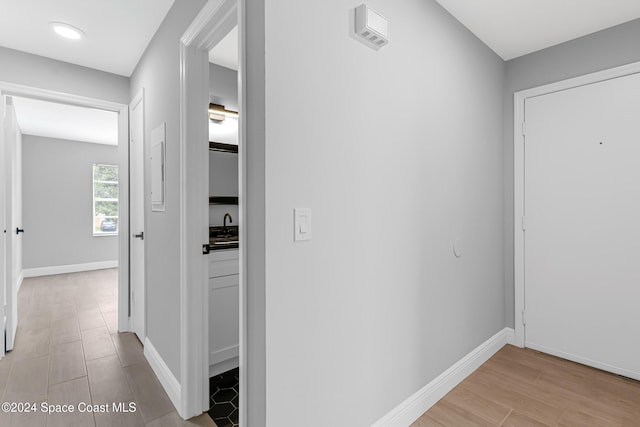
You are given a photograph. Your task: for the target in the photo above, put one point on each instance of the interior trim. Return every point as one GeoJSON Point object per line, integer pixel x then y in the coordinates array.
{"type": "Point", "coordinates": [417, 404]}
{"type": "Point", "coordinates": [169, 382]}
{"type": "Point", "coordinates": [70, 268]}
{"type": "Point", "coordinates": [209, 27]}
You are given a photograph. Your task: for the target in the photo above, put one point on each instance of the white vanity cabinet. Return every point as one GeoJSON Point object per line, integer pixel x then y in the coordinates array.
{"type": "Point", "coordinates": [224, 311]}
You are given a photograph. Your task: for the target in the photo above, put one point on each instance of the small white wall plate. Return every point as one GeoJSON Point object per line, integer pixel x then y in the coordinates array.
{"type": "Point", "coordinates": [371, 27]}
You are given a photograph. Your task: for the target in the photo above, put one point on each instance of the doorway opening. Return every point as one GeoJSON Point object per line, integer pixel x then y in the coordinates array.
{"type": "Point", "coordinates": [214, 22]}
{"type": "Point", "coordinates": [224, 229]}
{"type": "Point", "coordinates": [66, 194]}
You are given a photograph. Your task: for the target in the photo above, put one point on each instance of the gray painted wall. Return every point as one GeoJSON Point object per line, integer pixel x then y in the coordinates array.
{"type": "Point", "coordinates": [36, 71]}
{"type": "Point", "coordinates": [398, 153]}
{"type": "Point", "coordinates": [159, 73]}
{"type": "Point", "coordinates": [596, 52]}
{"type": "Point", "coordinates": [57, 202]}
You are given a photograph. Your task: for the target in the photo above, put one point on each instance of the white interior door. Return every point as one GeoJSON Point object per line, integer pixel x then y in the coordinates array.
{"type": "Point", "coordinates": [12, 162]}
{"type": "Point", "coordinates": [137, 266]}
{"type": "Point", "coordinates": [582, 238]}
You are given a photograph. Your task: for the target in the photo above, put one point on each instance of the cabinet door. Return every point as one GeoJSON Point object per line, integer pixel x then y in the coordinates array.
{"type": "Point", "coordinates": [224, 319]}
{"type": "Point", "coordinates": [225, 267]}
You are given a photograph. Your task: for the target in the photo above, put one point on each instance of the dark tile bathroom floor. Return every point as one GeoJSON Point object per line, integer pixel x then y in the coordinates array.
{"type": "Point", "coordinates": [224, 390]}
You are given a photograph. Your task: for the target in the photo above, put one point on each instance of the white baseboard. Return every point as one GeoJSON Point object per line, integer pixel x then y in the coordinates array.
{"type": "Point", "coordinates": [71, 268]}
{"type": "Point", "coordinates": [510, 334]}
{"type": "Point", "coordinates": [20, 279]}
{"type": "Point", "coordinates": [169, 382]}
{"type": "Point", "coordinates": [417, 404]}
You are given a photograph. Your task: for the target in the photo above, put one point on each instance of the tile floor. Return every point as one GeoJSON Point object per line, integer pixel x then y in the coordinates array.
{"type": "Point", "coordinates": [224, 390]}
{"type": "Point", "coordinates": [68, 351]}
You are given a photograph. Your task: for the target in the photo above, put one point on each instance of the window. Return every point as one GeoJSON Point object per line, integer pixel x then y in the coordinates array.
{"type": "Point", "coordinates": [105, 200]}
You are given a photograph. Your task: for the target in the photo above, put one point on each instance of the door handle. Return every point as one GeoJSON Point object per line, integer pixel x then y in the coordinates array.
{"type": "Point", "coordinates": [19, 230]}
{"type": "Point", "coordinates": [139, 235]}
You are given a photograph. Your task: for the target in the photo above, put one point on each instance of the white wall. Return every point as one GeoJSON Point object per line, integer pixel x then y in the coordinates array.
{"type": "Point", "coordinates": [159, 73]}
{"type": "Point", "coordinates": [595, 52]}
{"type": "Point", "coordinates": [57, 202]}
{"type": "Point", "coordinates": [398, 153]}
{"type": "Point", "coordinates": [36, 71]}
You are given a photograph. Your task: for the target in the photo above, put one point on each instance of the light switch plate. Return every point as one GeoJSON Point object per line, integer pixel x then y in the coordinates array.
{"type": "Point", "coordinates": [301, 224]}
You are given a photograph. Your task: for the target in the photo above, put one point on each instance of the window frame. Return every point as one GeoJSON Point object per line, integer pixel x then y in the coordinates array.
{"type": "Point", "coordinates": [104, 199]}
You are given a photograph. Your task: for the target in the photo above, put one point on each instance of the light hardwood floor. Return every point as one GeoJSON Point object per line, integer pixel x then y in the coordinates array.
{"type": "Point", "coordinates": [522, 387]}
{"type": "Point", "coordinates": [68, 351]}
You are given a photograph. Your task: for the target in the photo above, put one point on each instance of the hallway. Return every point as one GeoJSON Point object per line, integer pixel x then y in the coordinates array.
{"type": "Point", "coordinates": [68, 351]}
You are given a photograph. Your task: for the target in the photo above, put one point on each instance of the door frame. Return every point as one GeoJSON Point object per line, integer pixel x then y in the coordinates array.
{"type": "Point", "coordinates": [519, 136]}
{"type": "Point", "coordinates": [3, 184]}
{"type": "Point", "coordinates": [210, 26]}
{"type": "Point", "coordinates": [138, 101]}
{"type": "Point", "coordinates": [18, 90]}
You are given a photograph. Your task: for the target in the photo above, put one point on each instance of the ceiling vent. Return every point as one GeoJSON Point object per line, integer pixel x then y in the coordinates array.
{"type": "Point", "coordinates": [372, 27]}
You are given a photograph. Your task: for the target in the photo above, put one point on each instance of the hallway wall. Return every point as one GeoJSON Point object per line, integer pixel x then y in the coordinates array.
{"type": "Point", "coordinates": [398, 153]}
{"type": "Point", "coordinates": [158, 72]}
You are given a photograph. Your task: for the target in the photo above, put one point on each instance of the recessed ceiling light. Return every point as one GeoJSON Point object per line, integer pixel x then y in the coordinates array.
{"type": "Point", "coordinates": [67, 31]}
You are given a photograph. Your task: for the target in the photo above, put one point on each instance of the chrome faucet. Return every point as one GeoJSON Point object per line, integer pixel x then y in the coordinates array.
{"type": "Point", "coordinates": [224, 221]}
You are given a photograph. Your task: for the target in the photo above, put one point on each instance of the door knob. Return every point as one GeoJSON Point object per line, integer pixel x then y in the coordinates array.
{"type": "Point", "coordinates": [19, 230]}
{"type": "Point", "coordinates": [139, 235]}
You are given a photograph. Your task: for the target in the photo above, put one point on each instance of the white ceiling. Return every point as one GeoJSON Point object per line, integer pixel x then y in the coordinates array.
{"type": "Point", "coordinates": [514, 28]}
{"type": "Point", "coordinates": [117, 31]}
{"type": "Point", "coordinates": [53, 120]}
{"type": "Point", "coordinates": [225, 53]}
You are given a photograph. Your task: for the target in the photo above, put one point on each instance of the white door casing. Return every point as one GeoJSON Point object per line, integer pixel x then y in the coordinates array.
{"type": "Point", "coordinates": [576, 256]}
{"type": "Point", "coordinates": [209, 27]}
{"type": "Point", "coordinates": [3, 288]}
{"type": "Point", "coordinates": [124, 324]}
{"type": "Point", "coordinates": [137, 212]}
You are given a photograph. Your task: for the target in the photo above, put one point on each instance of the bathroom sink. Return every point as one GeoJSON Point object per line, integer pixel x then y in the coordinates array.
{"type": "Point", "coordinates": [223, 232]}
{"type": "Point", "coordinates": [223, 237]}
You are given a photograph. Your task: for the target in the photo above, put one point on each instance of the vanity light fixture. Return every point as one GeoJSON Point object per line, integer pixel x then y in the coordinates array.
{"type": "Point", "coordinates": [218, 113]}
{"type": "Point", "coordinates": [66, 30]}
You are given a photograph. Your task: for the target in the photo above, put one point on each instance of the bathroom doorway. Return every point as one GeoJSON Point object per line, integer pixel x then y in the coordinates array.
{"type": "Point", "coordinates": [224, 279]}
